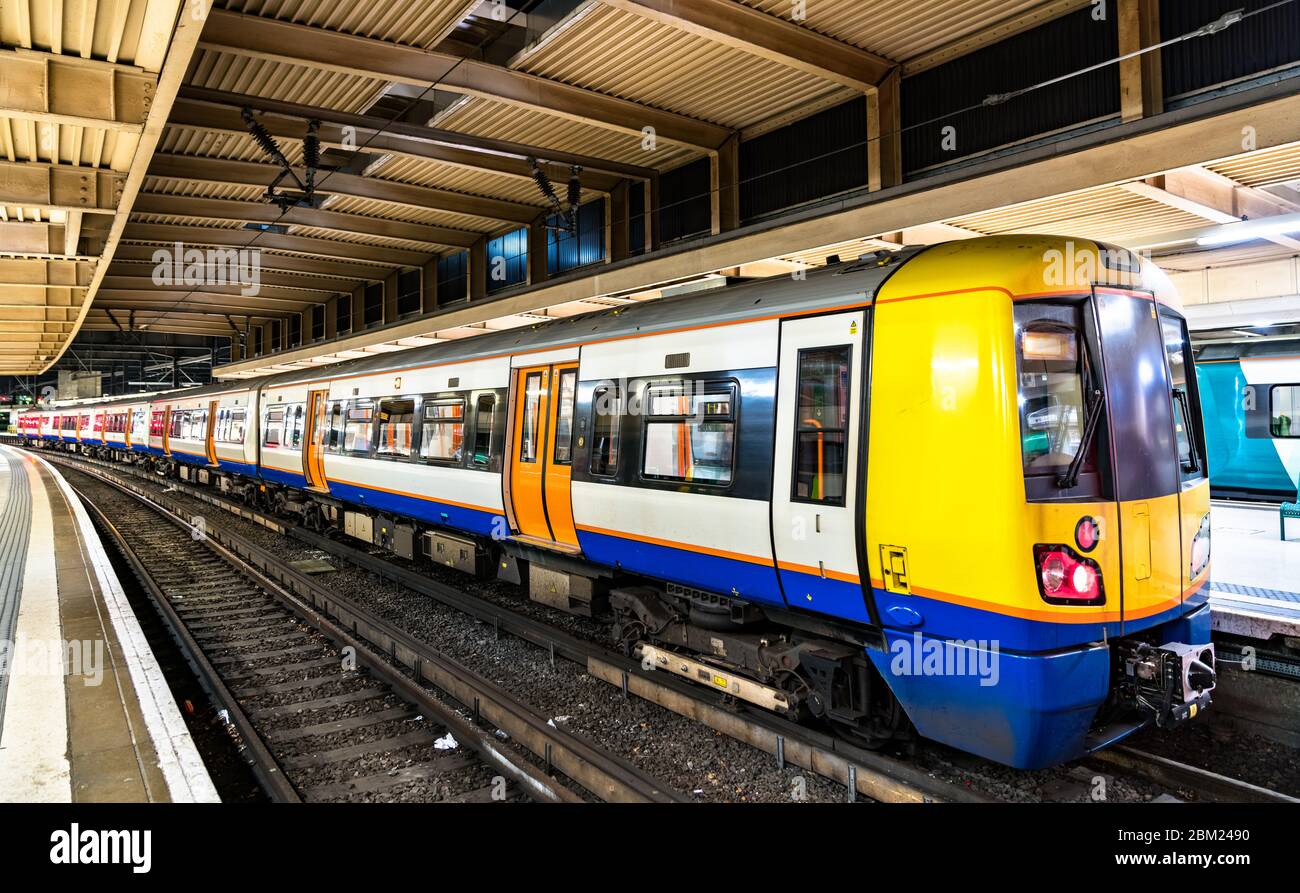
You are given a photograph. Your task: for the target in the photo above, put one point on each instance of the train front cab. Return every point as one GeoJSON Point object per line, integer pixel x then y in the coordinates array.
{"type": "Point", "coordinates": [1036, 607]}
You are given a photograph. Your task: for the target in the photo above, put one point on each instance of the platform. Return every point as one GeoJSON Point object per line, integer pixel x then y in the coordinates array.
{"type": "Point", "coordinates": [85, 712]}
{"type": "Point", "coordinates": [1255, 576]}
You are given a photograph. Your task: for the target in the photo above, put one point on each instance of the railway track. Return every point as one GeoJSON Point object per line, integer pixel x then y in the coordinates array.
{"type": "Point", "coordinates": [872, 775]}
{"type": "Point", "coordinates": [1181, 778]}
{"type": "Point", "coordinates": [317, 689]}
{"type": "Point", "coordinates": [864, 773]}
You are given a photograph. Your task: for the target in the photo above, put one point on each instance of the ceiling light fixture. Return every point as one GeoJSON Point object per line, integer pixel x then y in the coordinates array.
{"type": "Point", "coordinates": [1247, 230]}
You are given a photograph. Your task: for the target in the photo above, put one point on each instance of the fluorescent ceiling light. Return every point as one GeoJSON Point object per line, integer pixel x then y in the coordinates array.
{"type": "Point", "coordinates": [1252, 229]}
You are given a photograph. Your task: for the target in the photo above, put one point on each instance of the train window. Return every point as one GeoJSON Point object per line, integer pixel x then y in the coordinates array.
{"type": "Point", "coordinates": [230, 424]}
{"type": "Point", "coordinates": [564, 417]}
{"type": "Point", "coordinates": [607, 413]}
{"type": "Point", "coordinates": [156, 423]}
{"type": "Point", "coordinates": [274, 427]}
{"type": "Point", "coordinates": [690, 433]}
{"type": "Point", "coordinates": [530, 429]}
{"type": "Point", "coordinates": [442, 436]}
{"type": "Point", "coordinates": [334, 439]}
{"type": "Point", "coordinates": [178, 419]}
{"type": "Point", "coordinates": [822, 426]}
{"type": "Point", "coordinates": [1178, 349]}
{"type": "Point", "coordinates": [356, 430]}
{"type": "Point", "coordinates": [485, 416]}
{"type": "Point", "coordinates": [396, 418]}
{"type": "Point", "coordinates": [1284, 410]}
{"type": "Point", "coordinates": [293, 421]}
{"type": "Point", "coordinates": [238, 424]}
{"type": "Point", "coordinates": [1053, 369]}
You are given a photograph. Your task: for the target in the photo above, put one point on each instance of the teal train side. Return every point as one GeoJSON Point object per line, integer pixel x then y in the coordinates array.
{"type": "Point", "coordinates": [1252, 430]}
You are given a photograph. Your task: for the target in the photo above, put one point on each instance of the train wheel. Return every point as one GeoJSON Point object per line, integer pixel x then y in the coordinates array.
{"type": "Point", "coordinates": [628, 635]}
{"type": "Point", "coordinates": [886, 724]}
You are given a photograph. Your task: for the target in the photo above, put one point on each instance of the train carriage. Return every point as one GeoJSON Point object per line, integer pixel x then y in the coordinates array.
{"type": "Point", "coordinates": [115, 420]}
{"type": "Point", "coordinates": [946, 489]}
{"type": "Point", "coordinates": [1252, 416]}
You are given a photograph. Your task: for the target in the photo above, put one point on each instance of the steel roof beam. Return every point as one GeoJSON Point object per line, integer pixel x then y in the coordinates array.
{"type": "Point", "coordinates": [287, 264]}
{"type": "Point", "coordinates": [127, 277]}
{"type": "Point", "coordinates": [766, 36]}
{"type": "Point", "coordinates": [68, 90]}
{"type": "Point", "coordinates": [262, 212]}
{"type": "Point", "coordinates": [266, 38]}
{"type": "Point", "coordinates": [206, 109]}
{"type": "Point", "coordinates": [248, 173]}
{"type": "Point", "coordinates": [192, 236]}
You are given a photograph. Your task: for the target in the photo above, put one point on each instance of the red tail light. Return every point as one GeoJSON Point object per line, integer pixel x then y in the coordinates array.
{"type": "Point", "coordinates": [1067, 578]}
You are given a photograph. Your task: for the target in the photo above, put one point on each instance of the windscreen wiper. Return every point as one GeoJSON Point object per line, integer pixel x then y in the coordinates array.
{"type": "Point", "coordinates": [1067, 479]}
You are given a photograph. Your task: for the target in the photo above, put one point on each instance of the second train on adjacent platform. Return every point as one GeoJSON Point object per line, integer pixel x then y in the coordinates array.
{"type": "Point", "coordinates": [949, 490]}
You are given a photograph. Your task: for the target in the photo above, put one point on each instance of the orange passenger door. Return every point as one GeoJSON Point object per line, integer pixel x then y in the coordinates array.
{"type": "Point", "coordinates": [313, 463]}
{"type": "Point", "coordinates": [210, 439]}
{"type": "Point", "coordinates": [541, 451]}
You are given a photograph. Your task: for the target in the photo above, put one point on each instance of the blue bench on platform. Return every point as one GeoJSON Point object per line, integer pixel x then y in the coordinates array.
{"type": "Point", "coordinates": [1288, 510]}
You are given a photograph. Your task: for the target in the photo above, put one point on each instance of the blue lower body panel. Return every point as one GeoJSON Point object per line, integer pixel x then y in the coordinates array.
{"type": "Point", "coordinates": [1027, 710]}
{"type": "Point", "coordinates": [244, 468]}
{"type": "Point", "coordinates": [287, 478]}
{"type": "Point", "coordinates": [430, 511]}
{"type": "Point", "coordinates": [749, 580]}
{"type": "Point", "coordinates": [837, 598]}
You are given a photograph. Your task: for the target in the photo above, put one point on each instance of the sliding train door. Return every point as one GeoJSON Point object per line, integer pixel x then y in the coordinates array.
{"type": "Point", "coordinates": [815, 530]}
{"type": "Point", "coordinates": [210, 434]}
{"type": "Point", "coordinates": [313, 457]}
{"type": "Point", "coordinates": [540, 454]}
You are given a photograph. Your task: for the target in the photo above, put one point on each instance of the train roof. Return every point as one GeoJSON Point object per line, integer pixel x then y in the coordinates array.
{"type": "Point", "coordinates": [1245, 350]}
{"type": "Point", "coordinates": [856, 281]}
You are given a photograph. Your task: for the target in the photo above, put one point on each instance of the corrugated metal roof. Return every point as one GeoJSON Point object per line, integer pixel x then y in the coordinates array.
{"type": "Point", "coordinates": [201, 189]}
{"type": "Point", "coordinates": [386, 210]}
{"type": "Point", "coordinates": [284, 81]}
{"type": "Point", "coordinates": [361, 238]}
{"type": "Point", "coordinates": [486, 117]}
{"type": "Point", "coordinates": [1110, 213]}
{"type": "Point", "coordinates": [181, 220]}
{"type": "Point", "coordinates": [215, 144]}
{"type": "Point", "coordinates": [86, 28]}
{"type": "Point", "coordinates": [44, 142]}
{"type": "Point", "coordinates": [419, 23]}
{"type": "Point", "coordinates": [900, 31]}
{"type": "Point", "coordinates": [1262, 168]}
{"type": "Point", "coordinates": [458, 179]}
{"type": "Point", "coordinates": [627, 56]}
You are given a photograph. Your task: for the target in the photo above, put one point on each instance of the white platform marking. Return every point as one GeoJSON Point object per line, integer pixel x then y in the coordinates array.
{"type": "Point", "coordinates": [34, 765]}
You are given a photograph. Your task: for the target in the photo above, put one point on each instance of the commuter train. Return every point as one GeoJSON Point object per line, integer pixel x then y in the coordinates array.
{"type": "Point", "coordinates": [1251, 395]}
{"type": "Point", "coordinates": [957, 491]}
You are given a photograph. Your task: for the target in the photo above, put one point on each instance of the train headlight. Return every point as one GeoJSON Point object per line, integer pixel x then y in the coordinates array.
{"type": "Point", "coordinates": [1067, 578]}
{"type": "Point", "coordinates": [1200, 549]}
